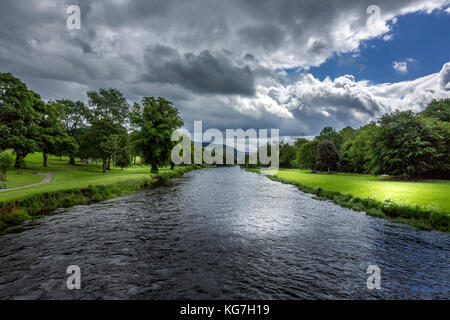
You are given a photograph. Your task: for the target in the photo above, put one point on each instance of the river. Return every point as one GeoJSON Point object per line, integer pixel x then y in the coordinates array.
{"type": "Point", "coordinates": [221, 233]}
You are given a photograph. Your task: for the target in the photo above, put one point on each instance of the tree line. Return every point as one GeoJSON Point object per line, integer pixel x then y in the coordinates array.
{"type": "Point", "coordinates": [402, 143]}
{"type": "Point", "coordinates": [107, 129]}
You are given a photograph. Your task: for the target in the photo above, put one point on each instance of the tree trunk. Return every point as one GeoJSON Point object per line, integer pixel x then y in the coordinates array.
{"type": "Point", "coordinates": [109, 164]}
{"type": "Point", "coordinates": [134, 160]}
{"type": "Point", "coordinates": [172, 166]}
{"type": "Point", "coordinates": [105, 163]}
{"type": "Point", "coordinates": [45, 159]}
{"type": "Point", "coordinates": [72, 160]}
{"type": "Point", "coordinates": [19, 158]}
{"type": "Point", "coordinates": [154, 168]}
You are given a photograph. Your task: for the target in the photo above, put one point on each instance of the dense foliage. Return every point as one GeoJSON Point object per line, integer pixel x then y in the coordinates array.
{"type": "Point", "coordinates": [401, 144]}
{"type": "Point", "coordinates": [5, 163]}
{"type": "Point", "coordinates": [98, 131]}
{"type": "Point", "coordinates": [155, 121]}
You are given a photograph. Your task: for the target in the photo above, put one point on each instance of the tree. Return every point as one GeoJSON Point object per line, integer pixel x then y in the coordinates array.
{"type": "Point", "coordinates": [328, 133]}
{"type": "Point", "coordinates": [96, 143]}
{"type": "Point", "coordinates": [439, 109]}
{"type": "Point", "coordinates": [407, 145]}
{"type": "Point", "coordinates": [74, 116]}
{"type": "Point", "coordinates": [108, 104]}
{"type": "Point", "coordinates": [5, 163]}
{"type": "Point", "coordinates": [133, 138]}
{"type": "Point", "coordinates": [327, 155]}
{"type": "Point", "coordinates": [155, 119]}
{"type": "Point", "coordinates": [67, 146]}
{"type": "Point", "coordinates": [18, 129]}
{"type": "Point", "coordinates": [345, 160]}
{"type": "Point", "coordinates": [288, 155]}
{"type": "Point", "coordinates": [348, 133]}
{"type": "Point", "coordinates": [299, 142]}
{"type": "Point", "coordinates": [306, 156]}
{"type": "Point", "coordinates": [113, 144]}
{"type": "Point", "coordinates": [123, 158]}
{"type": "Point", "coordinates": [52, 138]}
{"type": "Point", "coordinates": [439, 137]}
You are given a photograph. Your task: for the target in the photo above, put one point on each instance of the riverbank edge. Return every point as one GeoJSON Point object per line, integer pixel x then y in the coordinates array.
{"type": "Point", "coordinates": [416, 217]}
{"type": "Point", "coordinates": [16, 211]}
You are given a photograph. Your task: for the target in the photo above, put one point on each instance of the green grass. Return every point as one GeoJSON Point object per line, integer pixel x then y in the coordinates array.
{"type": "Point", "coordinates": [428, 195]}
{"type": "Point", "coordinates": [73, 185]}
{"type": "Point", "coordinates": [66, 176]}
{"type": "Point", "coordinates": [17, 180]}
{"type": "Point", "coordinates": [421, 204]}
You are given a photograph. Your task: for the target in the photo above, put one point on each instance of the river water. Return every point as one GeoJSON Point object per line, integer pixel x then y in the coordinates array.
{"type": "Point", "coordinates": [221, 233]}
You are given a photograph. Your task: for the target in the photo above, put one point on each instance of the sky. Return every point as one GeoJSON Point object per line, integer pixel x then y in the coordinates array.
{"type": "Point", "coordinates": [288, 64]}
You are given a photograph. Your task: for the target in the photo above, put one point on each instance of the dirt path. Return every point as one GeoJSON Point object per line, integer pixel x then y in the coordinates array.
{"type": "Point", "coordinates": [48, 177]}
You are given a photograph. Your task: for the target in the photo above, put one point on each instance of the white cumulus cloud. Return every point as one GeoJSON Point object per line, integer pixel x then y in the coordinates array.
{"type": "Point", "coordinates": [400, 66]}
{"type": "Point", "coordinates": [311, 103]}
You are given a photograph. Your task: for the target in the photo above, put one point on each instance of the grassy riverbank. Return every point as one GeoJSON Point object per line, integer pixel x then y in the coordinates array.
{"type": "Point", "coordinates": [72, 185]}
{"type": "Point", "coordinates": [422, 204]}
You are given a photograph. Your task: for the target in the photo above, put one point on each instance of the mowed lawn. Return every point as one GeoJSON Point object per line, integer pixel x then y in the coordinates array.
{"type": "Point", "coordinates": [428, 194]}
{"type": "Point", "coordinates": [27, 177]}
{"type": "Point", "coordinates": [65, 176]}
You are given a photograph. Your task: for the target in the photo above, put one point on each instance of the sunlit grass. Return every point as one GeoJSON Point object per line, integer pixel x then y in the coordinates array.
{"type": "Point", "coordinates": [13, 179]}
{"type": "Point", "coordinates": [428, 195]}
{"type": "Point", "coordinates": [66, 176]}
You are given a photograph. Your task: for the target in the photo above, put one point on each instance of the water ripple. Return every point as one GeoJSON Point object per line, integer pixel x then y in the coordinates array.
{"type": "Point", "coordinates": [221, 233]}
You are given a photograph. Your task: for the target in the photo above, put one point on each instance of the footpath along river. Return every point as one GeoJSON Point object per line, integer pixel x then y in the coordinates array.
{"type": "Point", "coordinates": [221, 233]}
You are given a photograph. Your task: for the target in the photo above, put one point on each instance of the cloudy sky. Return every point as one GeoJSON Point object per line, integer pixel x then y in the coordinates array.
{"type": "Point", "coordinates": [295, 65]}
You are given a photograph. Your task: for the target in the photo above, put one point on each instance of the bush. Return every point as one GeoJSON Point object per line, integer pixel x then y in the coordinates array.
{"type": "Point", "coordinates": [6, 162]}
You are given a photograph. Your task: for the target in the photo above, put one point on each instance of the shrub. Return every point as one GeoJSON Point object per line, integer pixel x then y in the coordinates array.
{"type": "Point", "coordinates": [6, 162]}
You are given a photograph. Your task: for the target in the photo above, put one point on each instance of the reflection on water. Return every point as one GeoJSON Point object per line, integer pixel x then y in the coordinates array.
{"type": "Point", "coordinates": [222, 233]}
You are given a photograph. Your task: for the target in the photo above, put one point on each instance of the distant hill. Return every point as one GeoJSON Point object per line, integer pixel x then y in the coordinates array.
{"type": "Point", "coordinates": [226, 149]}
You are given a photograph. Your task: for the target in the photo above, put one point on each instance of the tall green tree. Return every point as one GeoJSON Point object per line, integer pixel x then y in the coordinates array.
{"type": "Point", "coordinates": [328, 133]}
{"type": "Point", "coordinates": [407, 145]}
{"type": "Point", "coordinates": [114, 144]}
{"type": "Point", "coordinates": [348, 133]}
{"type": "Point", "coordinates": [307, 155]}
{"type": "Point", "coordinates": [96, 140]}
{"type": "Point", "coordinates": [18, 129]}
{"type": "Point", "coordinates": [74, 116]}
{"type": "Point", "coordinates": [52, 138]}
{"type": "Point", "coordinates": [345, 161]}
{"type": "Point", "coordinates": [155, 120]}
{"type": "Point", "coordinates": [299, 142]}
{"type": "Point", "coordinates": [123, 158]}
{"type": "Point", "coordinates": [109, 104]}
{"type": "Point", "coordinates": [439, 109]}
{"type": "Point", "coordinates": [5, 163]}
{"type": "Point", "coordinates": [133, 138]}
{"type": "Point", "coordinates": [361, 151]}
{"type": "Point", "coordinates": [288, 155]}
{"type": "Point", "coordinates": [327, 156]}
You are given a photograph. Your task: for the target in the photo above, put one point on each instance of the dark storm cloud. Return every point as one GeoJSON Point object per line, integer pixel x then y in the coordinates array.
{"type": "Point", "coordinates": [267, 36]}
{"type": "Point", "coordinates": [221, 61]}
{"type": "Point", "coordinates": [206, 72]}
{"type": "Point", "coordinates": [317, 47]}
